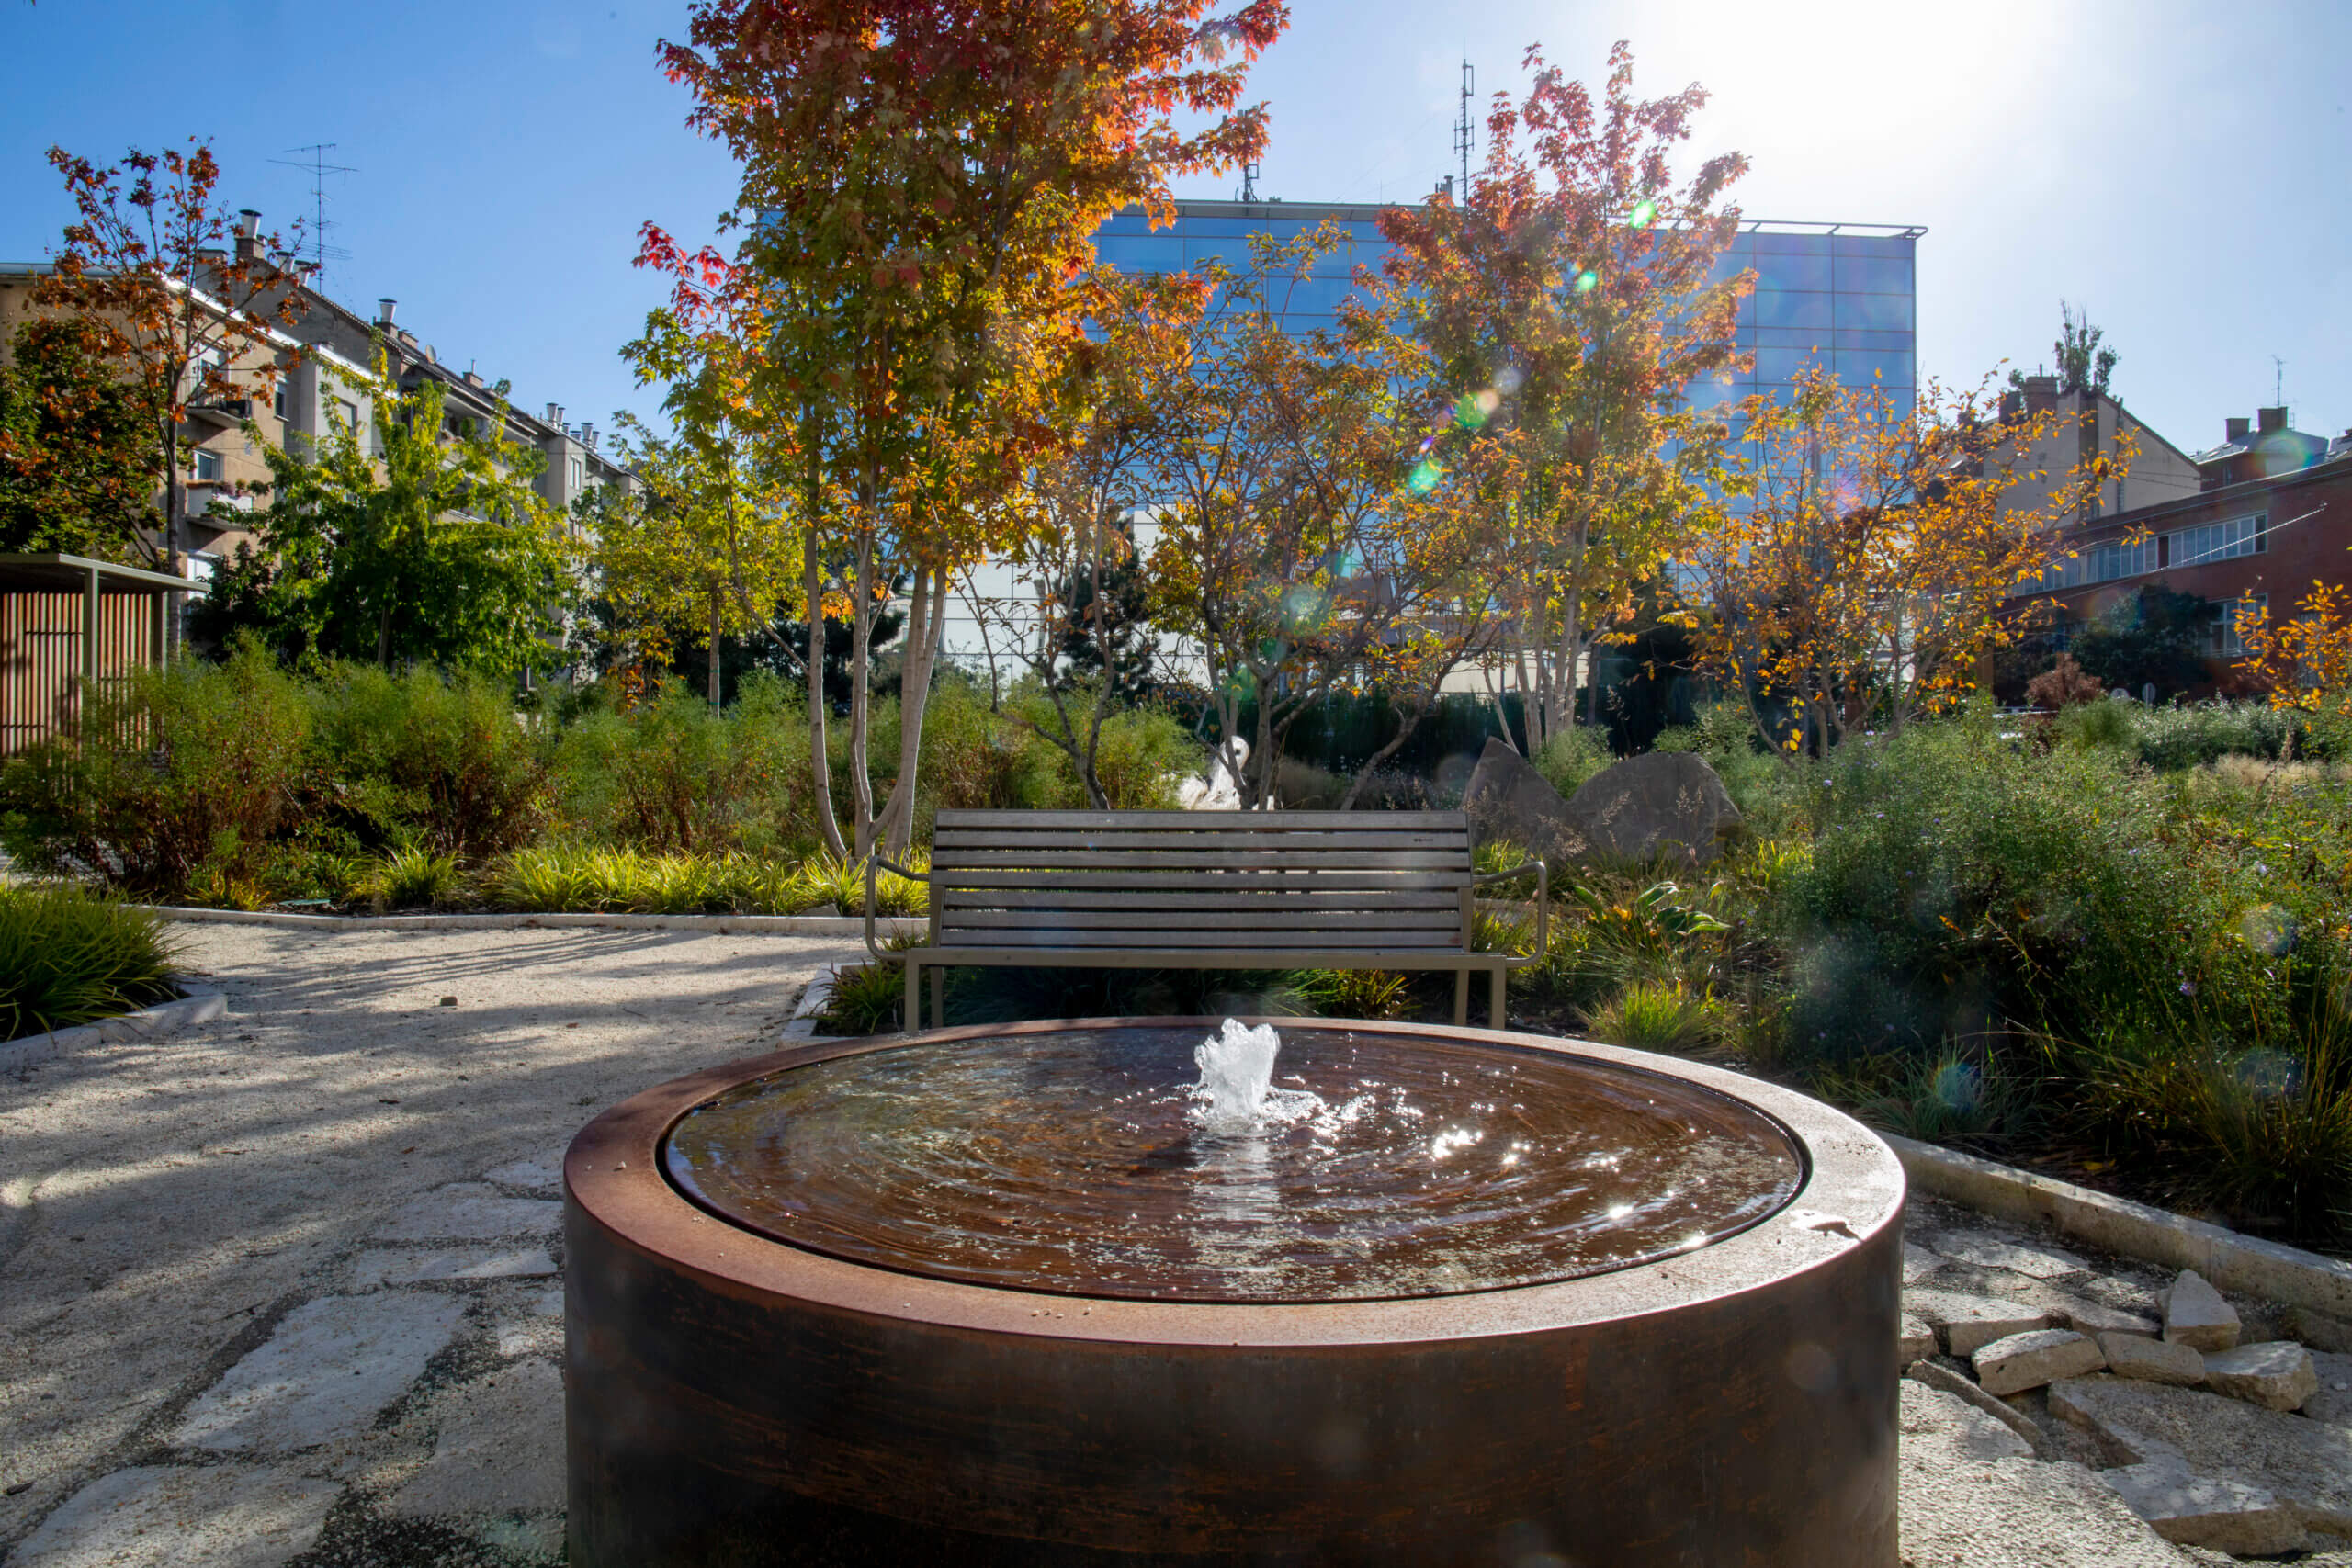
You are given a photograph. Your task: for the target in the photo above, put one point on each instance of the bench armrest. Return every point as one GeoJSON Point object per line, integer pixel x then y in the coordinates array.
{"type": "Point", "coordinates": [873, 863]}
{"type": "Point", "coordinates": [1542, 905]}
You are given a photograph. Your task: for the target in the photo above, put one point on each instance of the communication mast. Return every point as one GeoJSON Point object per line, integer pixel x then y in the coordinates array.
{"type": "Point", "coordinates": [314, 248]}
{"type": "Point", "coordinates": [1464, 133]}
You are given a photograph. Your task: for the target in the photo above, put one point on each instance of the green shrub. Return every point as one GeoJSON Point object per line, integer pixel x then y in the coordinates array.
{"type": "Point", "coordinates": [584, 878]}
{"type": "Point", "coordinates": [1656, 1015]}
{"type": "Point", "coordinates": [67, 958]}
{"type": "Point", "coordinates": [182, 776]}
{"type": "Point", "coordinates": [1355, 993]}
{"type": "Point", "coordinates": [2170, 739]}
{"type": "Point", "coordinates": [673, 776]}
{"type": "Point", "coordinates": [1574, 755]}
{"type": "Point", "coordinates": [409, 878]}
{"type": "Point", "coordinates": [1953, 1096]}
{"type": "Point", "coordinates": [442, 763]}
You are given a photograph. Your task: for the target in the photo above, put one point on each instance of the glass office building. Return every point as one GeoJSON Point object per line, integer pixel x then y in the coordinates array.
{"type": "Point", "coordinates": [1839, 296]}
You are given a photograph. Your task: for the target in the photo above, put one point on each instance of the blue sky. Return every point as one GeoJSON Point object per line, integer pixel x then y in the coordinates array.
{"type": "Point", "coordinates": [2182, 170]}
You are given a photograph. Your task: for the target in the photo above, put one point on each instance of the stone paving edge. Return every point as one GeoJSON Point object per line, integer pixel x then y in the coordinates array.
{"type": "Point", "coordinates": [775, 925]}
{"type": "Point", "coordinates": [197, 1004]}
{"type": "Point", "coordinates": [2267, 1269]}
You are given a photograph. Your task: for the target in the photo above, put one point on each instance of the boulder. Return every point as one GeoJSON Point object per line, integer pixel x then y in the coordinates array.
{"type": "Point", "coordinates": [2032, 1360]}
{"type": "Point", "coordinates": [1509, 801]}
{"type": "Point", "coordinates": [2195, 1314]}
{"type": "Point", "coordinates": [1967, 1324]}
{"type": "Point", "coordinates": [1915, 1341]}
{"type": "Point", "coordinates": [1666, 803]}
{"type": "Point", "coordinates": [2152, 1361]}
{"type": "Point", "coordinates": [2277, 1375]}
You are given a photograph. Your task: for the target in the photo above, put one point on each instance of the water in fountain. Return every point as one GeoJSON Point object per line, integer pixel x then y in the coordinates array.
{"type": "Point", "coordinates": [1236, 1093]}
{"type": "Point", "coordinates": [1146, 1162]}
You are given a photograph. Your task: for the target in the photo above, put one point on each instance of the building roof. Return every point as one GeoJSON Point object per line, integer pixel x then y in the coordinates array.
{"type": "Point", "coordinates": [52, 570]}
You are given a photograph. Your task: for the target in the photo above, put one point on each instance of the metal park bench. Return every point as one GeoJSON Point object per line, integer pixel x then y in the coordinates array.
{"type": "Point", "coordinates": [1204, 890]}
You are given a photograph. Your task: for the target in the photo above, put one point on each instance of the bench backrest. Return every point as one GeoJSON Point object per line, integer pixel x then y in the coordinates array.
{"type": "Point", "coordinates": [1201, 879]}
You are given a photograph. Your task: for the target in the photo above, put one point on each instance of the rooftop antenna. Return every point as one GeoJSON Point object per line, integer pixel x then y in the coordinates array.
{"type": "Point", "coordinates": [2278, 381]}
{"type": "Point", "coordinates": [315, 249]}
{"type": "Point", "coordinates": [1464, 134]}
{"type": "Point", "coordinates": [1249, 171]}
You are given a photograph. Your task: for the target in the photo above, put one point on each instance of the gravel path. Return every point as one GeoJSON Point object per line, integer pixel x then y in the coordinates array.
{"type": "Point", "coordinates": [296, 1175]}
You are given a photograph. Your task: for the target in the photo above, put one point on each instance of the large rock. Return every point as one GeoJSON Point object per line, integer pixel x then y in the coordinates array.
{"type": "Point", "coordinates": [1666, 803]}
{"type": "Point", "coordinates": [2153, 1361]}
{"type": "Point", "coordinates": [2033, 1359]}
{"type": "Point", "coordinates": [2307, 1464]}
{"type": "Point", "coordinates": [2096, 1318]}
{"type": "Point", "coordinates": [2196, 1315]}
{"type": "Point", "coordinates": [1967, 1324]}
{"type": "Point", "coordinates": [1661, 803]}
{"type": "Point", "coordinates": [2333, 1403]}
{"type": "Point", "coordinates": [2277, 1374]}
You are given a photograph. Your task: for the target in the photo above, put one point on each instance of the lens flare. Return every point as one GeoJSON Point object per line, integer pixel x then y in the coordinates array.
{"type": "Point", "coordinates": [1644, 210]}
{"type": "Point", "coordinates": [1587, 282]}
{"type": "Point", "coordinates": [1424, 476]}
{"type": "Point", "coordinates": [2269, 930]}
{"type": "Point", "coordinates": [1509, 379]}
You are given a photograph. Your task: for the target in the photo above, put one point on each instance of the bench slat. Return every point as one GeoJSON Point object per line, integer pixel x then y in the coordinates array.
{"type": "Point", "coordinates": [1186, 919]}
{"type": "Point", "coordinates": [1204, 860]}
{"type": "Point", "coordinates": [1270, 898]}
{"type": "Point", "coordinates": [1317, 881]}
{"type": "Point", "coordinates": [946, 843]}
{"type": "Point", "coordinates": [1202, 822]}
{"type": "Point", "coordinates": [1212, 958]}
{"type": "Point", "coordinates": [1236, 943]}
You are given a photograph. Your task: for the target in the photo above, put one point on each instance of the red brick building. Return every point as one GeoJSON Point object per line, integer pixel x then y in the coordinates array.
{"type": "Point", "coordinates": [2275, 516]}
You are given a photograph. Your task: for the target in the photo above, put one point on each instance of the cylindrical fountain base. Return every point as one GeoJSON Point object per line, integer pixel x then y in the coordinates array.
{"type": "Point", "coordinates": [731, 1399]}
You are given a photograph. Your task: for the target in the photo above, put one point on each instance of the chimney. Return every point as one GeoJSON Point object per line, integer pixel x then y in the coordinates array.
{"type": "Point", "coordinates": [2040, 394]}
{"type": "Point", "coordinates": [2268, 420]}
{"type": "Point", "coordinates": [555, 416]}
{"type": "Point", "coordinates": [384, 308]}
{"type": "Point", "coordinates": [587, 435]}
{"type": "Point", "coordinates": [248, 234]}
{"type": "Point", "coordinates": [2234, 430]}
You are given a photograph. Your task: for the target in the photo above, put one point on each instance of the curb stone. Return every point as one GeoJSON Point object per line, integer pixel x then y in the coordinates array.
{"type": "Point", "coordinates": [2287, 1275]}
{"type": "Point", "coordinates": [197, 1004]}
{"type": "Point", "coordinates": [773, 925]}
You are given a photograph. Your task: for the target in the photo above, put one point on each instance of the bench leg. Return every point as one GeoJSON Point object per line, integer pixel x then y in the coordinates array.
{"type": "Point", "coordinates": [938, 997]}
{"type": "Point", "coordinates": [913, 1019]}
{"type": "Point", "coordinates": [1495, 1010]}
{"type": "Point", "coordinates": [1461, 998]}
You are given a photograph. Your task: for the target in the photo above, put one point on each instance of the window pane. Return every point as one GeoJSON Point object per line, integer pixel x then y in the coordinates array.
{"type": "Point", "coordinates": [1876, 312]}
{"type": "Point", "coordinates": [1780, 308]}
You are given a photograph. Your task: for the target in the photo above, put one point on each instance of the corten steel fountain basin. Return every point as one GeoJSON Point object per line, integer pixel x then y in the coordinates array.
{"type": "Point", "coordinates": [778, 1362]}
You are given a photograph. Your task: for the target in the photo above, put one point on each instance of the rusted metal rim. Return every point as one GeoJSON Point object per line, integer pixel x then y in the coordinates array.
{"type": "Point", "coordinates": [613, 1172]}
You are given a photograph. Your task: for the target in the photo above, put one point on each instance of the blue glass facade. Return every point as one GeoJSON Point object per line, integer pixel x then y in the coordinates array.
{"type": "Point", "coordinates": [1835, 295]}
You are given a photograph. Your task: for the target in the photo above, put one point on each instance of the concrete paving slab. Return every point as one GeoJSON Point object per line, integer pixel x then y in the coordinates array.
{"type": "Point", "coordinates": [498, 1447]}
{"type": "Point", "coordinates": [2196, 1510]}
{"type": "Point", "coordinates": [183, 1517]}
{"type": "Point", "coordinates": [1971, 1499]}
{"type": "Point", "coordinates": [1985, 1250]}
{"type": "Point", "coordinates": [2278, 1374]}
{"type": "Point", "coordinates": [389, 1267]}
{"type": "Point", "coordinates": [1968, 1323]}
{"type": "Point", "coordinates": [325, 1373]}
{"type": "Point", "coordinates": [472, 1210]}
{"type": "Point", "coordinates": [2307, 1463]}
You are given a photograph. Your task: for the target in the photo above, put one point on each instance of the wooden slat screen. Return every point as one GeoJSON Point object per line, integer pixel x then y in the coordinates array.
{"type": "Point", "coordinates": [1199, 879]}
{"type": "Point", "coordinates": [41, 651]}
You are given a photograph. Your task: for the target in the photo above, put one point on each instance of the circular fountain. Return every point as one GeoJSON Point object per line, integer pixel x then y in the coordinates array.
{"type": "Point", "coordinates": [1147, 1290]}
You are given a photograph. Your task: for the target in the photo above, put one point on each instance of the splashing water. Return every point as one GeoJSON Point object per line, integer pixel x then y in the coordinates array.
{"type": "Point", "coordinates": [1236, 1092]}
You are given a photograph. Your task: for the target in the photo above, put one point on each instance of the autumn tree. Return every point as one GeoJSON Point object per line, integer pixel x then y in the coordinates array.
{"type": "Point", "coordinates": [1862, 571]}
{"type": "Point", "coordinates": [1568, 299]}
{"type": "Point", "coordinates": [77, 447]}
{"type": "Point", "coordinates": [2303, 662]}
{"type": "Point", "coordinates": [921, 185]}
{"type": "Point", "coordinates": [1304, 544]}
{"type": "Point", "coordinates": [437, 551]}
{"type": "Point", "coordinates": [174, 295]}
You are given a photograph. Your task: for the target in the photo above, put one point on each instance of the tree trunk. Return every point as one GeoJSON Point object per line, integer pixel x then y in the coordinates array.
{"type": "Point", "coordinates": [714, 648]}
{"type": "Point", "coordinates": [861, 693]}
{"type": "Point", "coordinates": [926, 618]}
{"type": "Point", "coordinates": [820, 763]}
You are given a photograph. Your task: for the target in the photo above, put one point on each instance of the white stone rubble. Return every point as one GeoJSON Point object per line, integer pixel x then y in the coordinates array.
{"type": "Point", "coordinates": [2155, 1360]}
{"type": "Point", "coordinates": [2034, 1358]}
{"type": "Point", "coordinates": [2278, 1374]}
{"type": "Point", "coordinates": [2195, 1314]}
